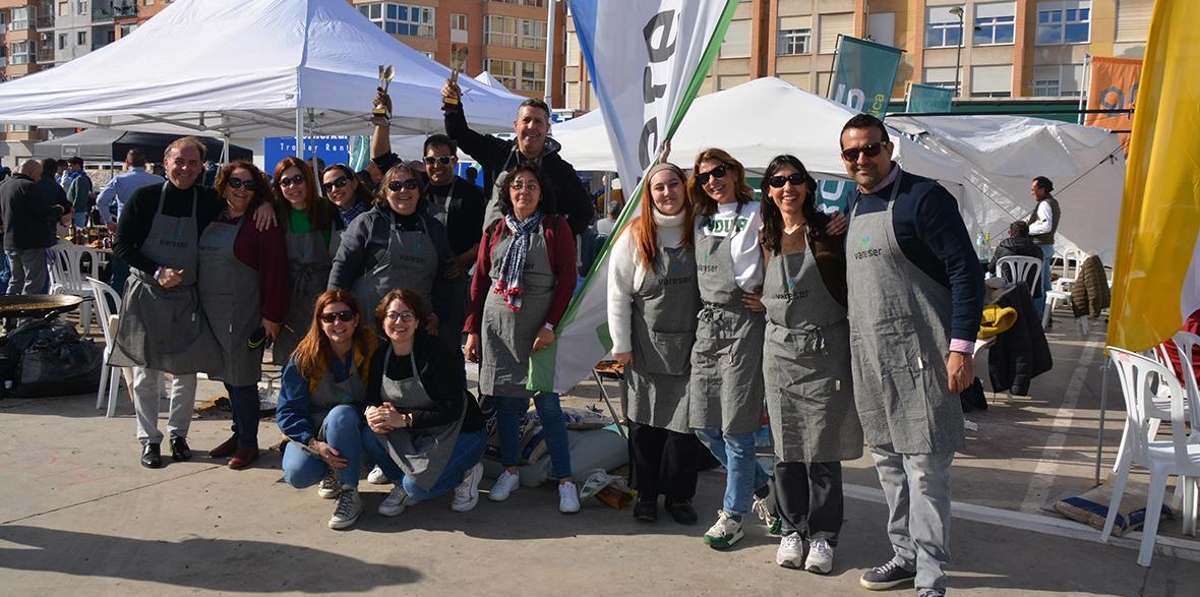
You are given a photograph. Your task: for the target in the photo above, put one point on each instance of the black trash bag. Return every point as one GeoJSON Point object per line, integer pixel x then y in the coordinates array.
{"type": "Point", "coordinates": [48, 358]}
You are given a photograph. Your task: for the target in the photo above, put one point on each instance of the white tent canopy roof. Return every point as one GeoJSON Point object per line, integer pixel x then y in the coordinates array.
{"type": "Point", "coordinates": [243, 68]}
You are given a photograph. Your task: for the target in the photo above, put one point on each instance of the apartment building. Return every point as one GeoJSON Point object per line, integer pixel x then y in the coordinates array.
{"type": "Point", "coordinates": [504, 37]}
{"type": "Point", "coordinates": [1002, 54]}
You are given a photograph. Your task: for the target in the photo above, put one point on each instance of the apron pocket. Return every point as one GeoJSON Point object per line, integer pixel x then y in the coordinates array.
{"type": "Point", "coordinates": [669, 353]}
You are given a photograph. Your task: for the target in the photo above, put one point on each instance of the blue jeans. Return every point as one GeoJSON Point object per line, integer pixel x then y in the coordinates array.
{"type": "Point", "coordinates": [1048, 258]}
{"type": "Point", "coordinates": [80, 218]}
{"type": "Point", "coordinates": [5, 273]}
{"type": "Point", "coordinates": [509, 411]}
{"type": "Point", "coordinates": [468, 449]}
{"type": "Point", "coordinates": [743, 474]}
{"type": "Point", "coordinates": [342, 432]}
{"type": "Point", "coordinates": [118, 272]}
{"type": "Point", "coordinates": [244, 402]}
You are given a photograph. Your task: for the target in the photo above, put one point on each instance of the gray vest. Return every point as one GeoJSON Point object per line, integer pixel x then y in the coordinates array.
{"type": "Point", "coordinates": [1055, 212]}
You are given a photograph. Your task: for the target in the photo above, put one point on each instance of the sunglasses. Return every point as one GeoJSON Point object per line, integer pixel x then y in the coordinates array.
{"type": "Point", "coordinates": [343, 316]}
{"type": "Point", "coordinates": [851, 154]}
{"type": "Point", "coordinates": [519, 186]}
{"type": "Point", "coordinates": [443, 160]}
{"type": "Point", "coordinates": [795, 178]}
{"type": "Point", "coordinates": [295, 180]}
{"type": "Point", "coordinates": [405, 316]}
{"type": "Point", "coordinates": [241, 183]}
{"type": "Point", "coordinates": [718, 172]}
{"type": "Point", "coordinates": [396, 185]}
{"type": "Point", "coordinates": [338, 182]}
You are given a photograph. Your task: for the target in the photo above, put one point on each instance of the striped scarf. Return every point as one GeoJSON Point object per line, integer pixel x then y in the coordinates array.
{"type": "Point", "coordinates": [513, 266]}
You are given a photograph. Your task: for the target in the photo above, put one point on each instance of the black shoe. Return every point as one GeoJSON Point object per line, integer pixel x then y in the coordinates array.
{"type": "Point", "coordinates": [180, 452]}
{"type": "Point", "coordinates": [645, 511]}
{"type": "Point", "coordinates": [886, 576]}
{"type": "Point", "coordinates": [682, 512]}
{"type": "Point", "coordinates": [150, 456]}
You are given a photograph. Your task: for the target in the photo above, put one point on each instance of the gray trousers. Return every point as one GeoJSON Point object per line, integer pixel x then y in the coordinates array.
{"type": "Point", "coordinates": [917, 489]}
{"type": "Point", "coordinates": [30, 274]}
{"type": "Point", "coordinates": [147, 391]}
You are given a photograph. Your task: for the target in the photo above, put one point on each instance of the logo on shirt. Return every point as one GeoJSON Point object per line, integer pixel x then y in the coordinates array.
{"type": "Point", "coordinates": [791, 294]}
{"type": "Point", "coordinates": [867, 252]}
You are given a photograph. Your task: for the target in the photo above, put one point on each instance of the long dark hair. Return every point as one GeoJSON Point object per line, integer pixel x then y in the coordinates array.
{"type": "Point", "coordinates": [771, 235]}
{"type": "Point", "coordinates": [318, 213]}
{"type": "Point", "coordinates": [547, 204]}
{"type": "Point", "coordinates": [361, 192]}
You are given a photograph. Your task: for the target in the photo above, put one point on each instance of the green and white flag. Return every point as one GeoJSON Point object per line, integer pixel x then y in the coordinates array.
{"type": "Point", "coordinates": [647, 60]}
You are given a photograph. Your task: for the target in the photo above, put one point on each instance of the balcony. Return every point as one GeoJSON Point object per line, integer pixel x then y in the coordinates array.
{"type": "Point", "coordinates": [45, 56]}
{"type": "Point", "coordinates": [45, 22]}
{"type": "Point", "coordinates": [125, 11]}
{"type": "Point", "coordinates": [102, 14]}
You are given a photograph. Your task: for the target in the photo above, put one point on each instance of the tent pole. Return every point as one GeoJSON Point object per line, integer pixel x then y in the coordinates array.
{"type": "Point", "coordinates": [299, 132]}
{"type": "Point", "coordinates": [551, 9]}
{"type": "Point", "coordinates": [225, 149]}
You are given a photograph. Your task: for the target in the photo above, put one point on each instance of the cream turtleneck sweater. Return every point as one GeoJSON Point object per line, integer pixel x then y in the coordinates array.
{"type": "Point", "coordinates": [625, 274]}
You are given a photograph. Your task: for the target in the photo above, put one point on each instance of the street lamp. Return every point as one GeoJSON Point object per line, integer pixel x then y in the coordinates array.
{"type": "Point", "coordinates": [958, 12]}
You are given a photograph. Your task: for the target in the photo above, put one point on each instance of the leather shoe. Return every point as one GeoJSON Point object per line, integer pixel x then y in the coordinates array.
{"type": "Point", "coordinates": [180, 452]}
{"type": "Point", "coordinates": [227, 448]}
{"type": "Point", "coordinates": [682, 512]}
{"type": "Point", "coordinates": [243, 458]}
{"type": "Point", "coordinates": [645, 511]}
{"type": "Point", "coordinates": [150, 456]}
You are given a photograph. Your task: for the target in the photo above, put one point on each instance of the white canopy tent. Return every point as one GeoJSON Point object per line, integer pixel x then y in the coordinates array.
{"type": "Point", "coordinates": [247, 69]}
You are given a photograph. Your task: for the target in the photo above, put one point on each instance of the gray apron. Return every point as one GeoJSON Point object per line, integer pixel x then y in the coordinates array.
{"type": "Point", "coordinates": [410, 260]}
{"type": "Point", "coordinates": [507, 335]}
{"type": "Point", "coordinates": [806, 365]}
{"type": "Point", "coordinates": [726, 386]}
{"type": "Point", "coordinates": [165, 329]}
{"type": "Point", "coordinates": [663, 329]}
{"type": "Point", "coordinates": [229, 294]}
{"type": "Point", "coordinates": [899, 341]}
{"type": "Point", "coordinates": [422, 454]}
{"type": "Point", "coordinates": [310, 260]}
{"type": "Point", "coordinates": [330, 393]}
{"type": "Point", "coordinates": [450, 316]}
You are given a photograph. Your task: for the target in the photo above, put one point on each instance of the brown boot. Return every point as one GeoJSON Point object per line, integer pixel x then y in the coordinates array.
{"type": "Point", "coordinates": [226, 448]}
{"type": "Point", "coordinates": [243, 458]}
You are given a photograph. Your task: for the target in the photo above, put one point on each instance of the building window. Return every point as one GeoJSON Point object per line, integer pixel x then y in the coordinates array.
{"type": "Point", "coordinates": [943, 76]}
{"type": "Point", "coordinates": [572, 51]}
{"type": "Point", "coordinates": [943, 29]}
{"type": "Point", "coordinates": [518, 75]}
{"type": "Point", "coordinates": [1064, 22]}
{"type": "Point", "coordinates": [795, 41]}
{"type": "Point", "coordinates": [400, 19]}
{"type": "Point", "coordinates": [737, 40]}
{"type": "Point", "coordinates": [81, 38]}
{"type": "Point", "coordinates": [1057, 80]}
{"type": "Point", "coordinates": [21, 53]}
{"type": "Point", "coordinates": [501, 31]}
{"type": "Point", "coordinates": [995, 24]}
{"type": "Point", "coordinates": [831, 26]}
{"type": "Point", "coordinates": [148, 2]}
{"type": "Point", "coordinates": [991, 81]}
{"type": "Point", "coordinates": [81, 7]}
{"type": "Point", "coordinates": [458, 22]}
{"type": "Point", "coordinates": [62, 41]}
{"type": "Point", "coordinates": [533, 34]}
{"type": "Point", "coordinates": [20, 18]}
{"type": "Point", "coordinates": [64, 8]}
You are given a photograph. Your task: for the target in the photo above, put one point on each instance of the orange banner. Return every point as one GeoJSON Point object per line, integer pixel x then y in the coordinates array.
{"type": "Point", "coordinates": [1113, 86]}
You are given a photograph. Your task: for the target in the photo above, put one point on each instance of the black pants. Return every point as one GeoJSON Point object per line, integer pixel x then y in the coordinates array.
{"type": "Point", "coordinates": [819, 517]}
{"type": "Point", "coordinates": [663, 462]}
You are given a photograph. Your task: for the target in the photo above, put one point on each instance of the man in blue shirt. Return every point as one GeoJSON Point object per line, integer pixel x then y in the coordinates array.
{"type": "Point", "coordinates": [112, 199]}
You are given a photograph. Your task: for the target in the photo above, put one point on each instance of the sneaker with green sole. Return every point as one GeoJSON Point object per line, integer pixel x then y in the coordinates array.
{"type": "Point", "coordinates": [725, 532]}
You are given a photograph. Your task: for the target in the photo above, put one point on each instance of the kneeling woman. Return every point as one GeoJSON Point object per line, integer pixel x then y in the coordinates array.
{"type": "Point", "coordinates": [806, 365]}
{"type": "Point", "coordinates": [423, 429]}
{"type": "Point", "coordinates": [321, 402]}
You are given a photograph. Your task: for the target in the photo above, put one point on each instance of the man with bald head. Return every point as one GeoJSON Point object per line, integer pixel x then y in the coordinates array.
{"type": "Point", "coordinates": [27, 217]}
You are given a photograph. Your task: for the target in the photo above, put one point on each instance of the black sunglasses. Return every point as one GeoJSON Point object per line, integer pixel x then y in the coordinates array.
{"type": "Point", "coordinates": [439, 159]}
{"type": "Point", "coordinates": [396, 185]}
{"type": "Point", "coordinates": [871, 150]}
{"type": "Point", "coordinates": [241, 183]}
{"type": "Point", "coordinates": [795, 178]}
{"type": "Point", "coordinates": [718, 172]}
{"type": "Point", "coordinates": [295, 180]}
{"type": "Point", "coordinates": [344, 316]}
{"type": "Point", "coordinates": [338, 182]}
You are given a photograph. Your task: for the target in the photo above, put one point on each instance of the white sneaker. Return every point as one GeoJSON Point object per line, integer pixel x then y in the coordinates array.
{"type": "Point", "coordinates": [764, 507]}
{"type": "Point", "coordinates": [820, 557]}
{"type": "Point", "coordinates": [349, 506]}
{"type": "Point", "coordinates": [568, 498]}
{"type": "Point", "coordinates": [466, 495]}
{"type": "Point", "coordinates": [329, 488]}
{"type": "Point", "coordinates": [377, 476]}
{"type": "Point", "coordinates": [725, 532]}
{"type": "Point", "coordinates": [395, 502]}
{"type": "Point", "coordinates": [791, 551]}
{"type": "Point", "coordinates": [504, 486]}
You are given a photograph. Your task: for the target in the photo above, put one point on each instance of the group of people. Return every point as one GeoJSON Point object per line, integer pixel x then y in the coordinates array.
{"type": "Point", "coordinates": [849, 330]}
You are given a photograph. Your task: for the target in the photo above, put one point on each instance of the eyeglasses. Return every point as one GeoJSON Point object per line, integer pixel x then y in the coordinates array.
{"type": "Point", "coordinates": [851, 154]}
{"type": "Point", "coordinates": [343, 316]}
{"type": "Point", "coordinates": [338, 182]}
{"type": "Point", "coordinates": [295, 180]}
{"type": "Point", "coordinates": [518, 185]}
{"type": "Point", "coordinates": [795, 178]}
{"type": "Point", "coordinates": [405, 316]}
{"type": "Point", "coordinates": [241, 183]}
{"type": "Point", "coordinates": [443, 160]}
{"type": "Point", "coordinates": [396, 185]}
{"type": "Point", "coordinates": [718, 172]}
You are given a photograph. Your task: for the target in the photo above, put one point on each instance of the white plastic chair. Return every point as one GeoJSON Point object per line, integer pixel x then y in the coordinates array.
{"type": "Point", "coordinates": [67, 277]}
{"type": "Point", "coordinates": [109, 380]}
{"type": "Point", "coordinates": [1015, 268]}
{"type": "Point", "coordinates": [1164, 458]}
{"type": "Point", "coordinates": [1189, 499]}
{"type": "Point", "coordinates": [1072, 261]}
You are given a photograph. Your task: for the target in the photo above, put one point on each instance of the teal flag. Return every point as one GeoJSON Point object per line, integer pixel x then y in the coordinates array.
{"type": "Point", "coordinates": [863, 75]}
{"type": "Point", "coordinates": [928, 98]}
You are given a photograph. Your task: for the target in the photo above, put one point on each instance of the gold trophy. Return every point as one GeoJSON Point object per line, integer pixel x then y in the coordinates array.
{"type": "Point", "coordinates": [383, 109]}
{"type": "Point", "coordinates": [458, 62]}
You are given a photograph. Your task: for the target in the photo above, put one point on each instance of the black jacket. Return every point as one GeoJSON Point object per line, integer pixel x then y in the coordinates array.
{"type": "Point", "coordinates": [27, 215]}
{"type": "Point", "coordinates": [1021, 353]}
{"type": "Point", "coordinates": [1020, 247]}
{"type": "Point", "coordinates": [440, 369]}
